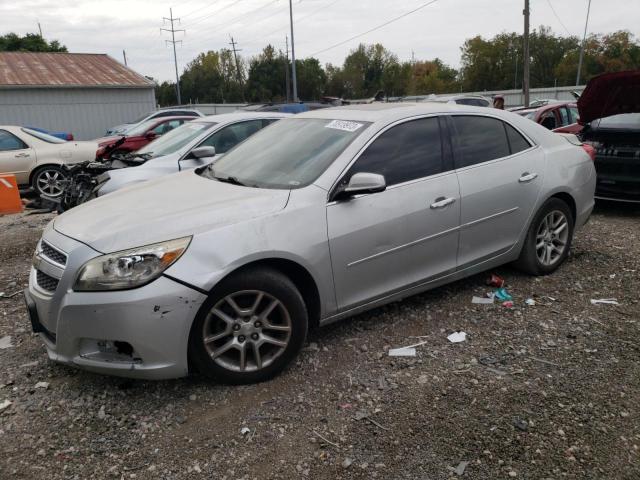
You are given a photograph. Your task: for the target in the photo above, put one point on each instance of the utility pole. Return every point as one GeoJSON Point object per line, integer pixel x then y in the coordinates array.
{"type": "Point", "coordinates": [515, 77]}
{"type": "Point", "coordinates": [40, 30]}
{"type": "Point", "coordinates": [235, 56]}
{"type": "Point", "coordinates": [293, 56]}
{"type": "Point", "coordinates": [173, 41]}
{"type": "Point", "coordinates": [584, 39]}
{"type": "Point", "coordinates": [287, 80]}
{"type": "Point", "coordinates": [525, 79]}
{"type": "Point", "coordinates": [124, 54]}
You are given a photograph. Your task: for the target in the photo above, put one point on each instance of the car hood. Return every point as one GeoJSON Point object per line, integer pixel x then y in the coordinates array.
{"type": "Point", "coordinates": [610, 94]}
{"type": "Point", "coordinates": [102, 141]}
{"type": "Point", "coordinates": [170, 207]}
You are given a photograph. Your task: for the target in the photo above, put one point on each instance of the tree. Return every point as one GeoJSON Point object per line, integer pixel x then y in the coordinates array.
{"type": "Point", "coordinates": [427, 77]}
{"type": "Point", "coordinates": [212, 78]}
{"type": "Point", "coordinates": [31, 42]}
{"type": "Point", "coordinates": [166, 94]}
{"type": "Point", "coordinates": [266, 81]}
{"type": "Point", "coordinates": [311, 79]}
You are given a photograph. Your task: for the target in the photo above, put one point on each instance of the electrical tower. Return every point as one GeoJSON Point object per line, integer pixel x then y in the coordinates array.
{"type": "Point", "coordinates": [173, 41]}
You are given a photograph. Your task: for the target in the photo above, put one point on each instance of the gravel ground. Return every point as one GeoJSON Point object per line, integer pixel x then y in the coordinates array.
{"type": "Point", "coordinates": [550, 391]}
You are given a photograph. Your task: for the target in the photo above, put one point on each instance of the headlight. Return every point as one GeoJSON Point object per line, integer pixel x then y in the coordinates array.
{"type": "Point", "coordinates": [129, 268]}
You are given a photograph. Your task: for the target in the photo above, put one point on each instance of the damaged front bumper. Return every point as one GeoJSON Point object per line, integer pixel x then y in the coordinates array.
{"type": "Point", "coordinates": [139, 333]}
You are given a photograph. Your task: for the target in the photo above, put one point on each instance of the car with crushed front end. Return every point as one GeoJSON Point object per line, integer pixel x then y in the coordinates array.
{"type": "Point", "coordinates": [223, 269]}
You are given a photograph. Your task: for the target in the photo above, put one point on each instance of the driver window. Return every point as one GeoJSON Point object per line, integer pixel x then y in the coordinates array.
{"type": "Point", "coordinates": [405, 152]}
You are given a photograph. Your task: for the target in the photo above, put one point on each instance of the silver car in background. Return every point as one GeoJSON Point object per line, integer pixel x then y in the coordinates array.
{"type": "Point", "coordinates": [224, 268]}
{"type": "Point", "coordinates": [191, 145]}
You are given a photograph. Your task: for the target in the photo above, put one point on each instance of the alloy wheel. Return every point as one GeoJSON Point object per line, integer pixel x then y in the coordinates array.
{"type": "Point", "coordinates": [50, 182]}
{"type": "Point", "coordinates": [247, 330]}
{"type": "Point", "coordinates": [552, 237]}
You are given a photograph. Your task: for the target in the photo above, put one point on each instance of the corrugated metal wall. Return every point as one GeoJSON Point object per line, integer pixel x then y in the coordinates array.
{"type": "Point", "coordinates": [85, 112]}
{"type": "Point", "coordinates": [214, 108]}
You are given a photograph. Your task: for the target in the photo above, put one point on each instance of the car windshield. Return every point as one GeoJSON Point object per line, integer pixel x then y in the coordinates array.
{"type": "Point", "coordinates": [43, 136]}
{"type": "Point", "coordinates": [289, 154]}
{"type": "Point", "coordinates": [625, 121]}
{"type": "Point", "coordinates": [175, 139]}
{"type": "Point", "coordinates": [142, 128]}
{"type": "Point", "coordinates": [138, 120]}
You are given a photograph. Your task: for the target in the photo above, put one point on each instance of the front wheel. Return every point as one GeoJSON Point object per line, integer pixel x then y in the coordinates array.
{"type": "Point", "coordinates": [251, 327]}
{"type": "Point", "coordinates": [548, 240]}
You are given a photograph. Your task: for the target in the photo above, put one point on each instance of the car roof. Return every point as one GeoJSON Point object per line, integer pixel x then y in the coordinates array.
{"type": "Point", "coordinates": [239, 115]}
{"type": "Point", "coordinates": [374, 112]}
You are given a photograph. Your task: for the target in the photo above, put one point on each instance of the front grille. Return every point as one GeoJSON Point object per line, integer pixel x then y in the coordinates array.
{"type": "Point", "coordinates": [53, 254]}
{"type": "Point", "coordinates": [46, 282]}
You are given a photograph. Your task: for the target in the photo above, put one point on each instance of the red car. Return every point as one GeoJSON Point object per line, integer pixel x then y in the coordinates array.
{"type": "Point", "coordinates": [139, 136]}
{"type": "Point", "coordinates": [552, 115]}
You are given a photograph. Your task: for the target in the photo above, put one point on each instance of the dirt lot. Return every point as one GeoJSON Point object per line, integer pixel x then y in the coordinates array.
{"type": "Point", "coordinates": [550, 391]}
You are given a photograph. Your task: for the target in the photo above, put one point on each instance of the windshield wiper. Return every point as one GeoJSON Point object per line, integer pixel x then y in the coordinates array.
{"type": "Point", "coordinates": [231, 180]}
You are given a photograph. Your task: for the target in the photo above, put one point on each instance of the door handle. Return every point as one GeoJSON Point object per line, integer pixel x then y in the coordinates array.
{"type": "Point", "coordinates": [22, 155]}
{"type": "Point", "coordinates": [527, 177]}
{"type": "Point", "coordinates": [442, 202]}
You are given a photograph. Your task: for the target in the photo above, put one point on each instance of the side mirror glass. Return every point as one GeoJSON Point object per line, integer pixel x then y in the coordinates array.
{"type": "Point", "coordinates": [151, 134]}
{"type": "Point", "coordinates": [361, 183]}
{"type": "Point", "coordinates": [203, 152]}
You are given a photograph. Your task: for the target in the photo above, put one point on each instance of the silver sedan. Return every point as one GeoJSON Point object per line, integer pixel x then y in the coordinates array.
{"type": "Point", "coordinates": [315, 218]}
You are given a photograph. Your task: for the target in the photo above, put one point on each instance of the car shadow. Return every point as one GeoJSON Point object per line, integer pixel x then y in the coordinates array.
{"type": "Point", "coordinates": [618, 209]}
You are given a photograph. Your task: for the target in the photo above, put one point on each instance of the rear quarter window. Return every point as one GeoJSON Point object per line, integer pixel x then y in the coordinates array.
{"type": "Point", "coordinates": [479, 139]}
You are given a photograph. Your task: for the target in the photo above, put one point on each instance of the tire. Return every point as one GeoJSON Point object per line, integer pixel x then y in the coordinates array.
{"type": "Point", "coordinates": [49, 180]}
{"type": "Point", "coordinates": [230, 330]}
{"type": "Point", "coordinates": [540, 253]}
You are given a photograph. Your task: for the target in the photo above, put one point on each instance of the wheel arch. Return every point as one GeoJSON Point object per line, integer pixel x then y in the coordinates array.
{"type": "Point", "coordinates": [39, 167]}
{"type": "Point", "coordinates": [298, 274]}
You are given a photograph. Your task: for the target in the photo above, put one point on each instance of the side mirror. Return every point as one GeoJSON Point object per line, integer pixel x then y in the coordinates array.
{"type": "Point", "coordinates": [203, 152]}
{"type": "Point", "coordinates": [361, 183]}
{"type": "Point", "coordinates": [151, 135]}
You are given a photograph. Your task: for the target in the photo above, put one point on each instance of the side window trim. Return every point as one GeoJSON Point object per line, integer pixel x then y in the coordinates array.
{"type": "Point", "coordinates": [375, 136]}
{"type": "Point", "coordinates": [532, 144]}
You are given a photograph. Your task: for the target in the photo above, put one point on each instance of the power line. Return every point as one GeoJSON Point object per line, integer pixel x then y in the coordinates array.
{"type": "Point", "coordinates": [204, 17]}
{"type": "Point", "coordinates": [558, 17]}
{"type": "Point", "coordinates": [279, 29]}
{"type": "Point", "coordinates": [200, 9]}
{"type": "Point", "coordinates": [388, 22]}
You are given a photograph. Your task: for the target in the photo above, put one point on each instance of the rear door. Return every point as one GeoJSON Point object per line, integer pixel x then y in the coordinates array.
{"type": "Point", "coordinates": [500, 174]}
{"type": "Point", "coordinates": [16, 157]}
{"type": "Point", "coordinates": [387, 241]}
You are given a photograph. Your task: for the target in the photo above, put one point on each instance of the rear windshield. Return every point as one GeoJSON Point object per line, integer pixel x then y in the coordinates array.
{"type": "Point", "coordinates": [626, 121]}
{"type": "Point", "coordinates": [45, 137]}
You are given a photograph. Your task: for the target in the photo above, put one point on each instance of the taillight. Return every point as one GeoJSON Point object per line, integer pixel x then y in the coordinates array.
{"type": "Point", "coordinates": [590, 151]}
{"type": "Point", "coordinates": [69, 137]}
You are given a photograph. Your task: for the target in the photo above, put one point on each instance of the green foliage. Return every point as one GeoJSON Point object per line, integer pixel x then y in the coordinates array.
{"type": "Point", "coordinates": [31, 42]}
{"type": "Point", "coordinates": [493, 64]}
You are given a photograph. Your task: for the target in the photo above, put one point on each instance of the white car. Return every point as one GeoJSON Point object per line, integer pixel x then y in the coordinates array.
{"type": "Point", "coordinates": [471, 100]}
{"type": "Point", "coordinates": [169, 112]}
{"type": "Point", "coordinates": [36, 158]}
{"type": "Point", "coordinates": [191, 145]}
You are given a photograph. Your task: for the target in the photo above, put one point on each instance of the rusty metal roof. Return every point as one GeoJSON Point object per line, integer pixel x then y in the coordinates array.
{"type": "Point", "coordinates": [36, 69]}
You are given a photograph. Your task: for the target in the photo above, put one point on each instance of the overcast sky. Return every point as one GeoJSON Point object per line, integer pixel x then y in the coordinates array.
{"type": "Point", "coordinates": [109, 26]}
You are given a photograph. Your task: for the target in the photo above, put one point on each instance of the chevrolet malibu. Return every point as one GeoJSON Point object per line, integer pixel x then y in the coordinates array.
{"type": "Point", "coordinates": [223, 269]}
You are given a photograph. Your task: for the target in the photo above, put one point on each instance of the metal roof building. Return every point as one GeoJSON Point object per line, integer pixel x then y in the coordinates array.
{"type": "Point", "coordinates": [79, 93]}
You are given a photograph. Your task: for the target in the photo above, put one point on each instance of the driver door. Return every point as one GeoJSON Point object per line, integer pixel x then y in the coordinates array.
{"type": "Point", "coordinates": [387, 241]}
{"type": "Point", "coordinates": [16, 157]}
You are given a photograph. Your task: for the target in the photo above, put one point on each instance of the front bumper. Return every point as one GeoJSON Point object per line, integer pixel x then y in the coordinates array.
{"type": "Point", "coordinates": [139, 333]}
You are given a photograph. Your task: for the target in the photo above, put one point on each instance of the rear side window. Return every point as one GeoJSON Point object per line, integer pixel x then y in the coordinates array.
{"type": "Point", "coordinates": [478, 140]}
{"type": "Point", "coordinates": [516, 141]}
{"type": "Point", "coordinates": [405, 152]}
{"type": "Point", "coordinates": [8, 142]}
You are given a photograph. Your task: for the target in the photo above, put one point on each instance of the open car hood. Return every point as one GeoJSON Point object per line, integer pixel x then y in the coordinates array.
{"type": "Point", "coordinates": [610, 94]}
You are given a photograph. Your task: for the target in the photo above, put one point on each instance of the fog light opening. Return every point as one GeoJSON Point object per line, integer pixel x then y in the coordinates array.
{"type": "Point", "coordinates": [123, 348]}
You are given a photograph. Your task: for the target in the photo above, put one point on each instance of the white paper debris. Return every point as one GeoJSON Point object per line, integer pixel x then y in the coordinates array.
{"type": "Point", "coordinates": [44, 385]}
{"type": "Point", "coordinates": [605, 301]}
{"type": "Point", "coordinates": [245, 430]}
{"type": "Point", "coordinates": [530, 301]}
{"type": "Point", "coordinates": [344, 125]}
{"type": "Point", "coordinates": [457, 337]}
{"type": "Point", "coordinates": [402, 352]}
{"type": "Point", "coordinates": [482, 300]}
{"type": "Point", "coordinates": [5, 342]}
{"type": "Point", "coordinates": [4, 405]}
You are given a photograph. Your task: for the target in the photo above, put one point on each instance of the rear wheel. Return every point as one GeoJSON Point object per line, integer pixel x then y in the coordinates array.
{"type": "Point", "coordinates": [548, 240]}
{"type": "Point", "coordinates": [250, 328]}
{"type": "Point", "coordinates": [49, 180]}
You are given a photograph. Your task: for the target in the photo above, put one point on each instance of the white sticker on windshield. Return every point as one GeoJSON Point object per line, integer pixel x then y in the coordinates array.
{"type": "Point", "coordinates": [344, 125]}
